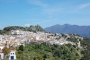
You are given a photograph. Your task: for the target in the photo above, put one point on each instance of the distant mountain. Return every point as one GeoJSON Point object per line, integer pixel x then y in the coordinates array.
{"type": "Point", "coordinates": [67, 28]}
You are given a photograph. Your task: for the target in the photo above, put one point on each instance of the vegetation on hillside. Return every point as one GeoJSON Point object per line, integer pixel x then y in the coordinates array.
{"type": "Point", "coordinates": [49, 52]}
{"type": "Point", "coordinates": [46, 51]}
{"type": "Point", "coordinates": [86, 49]}
{"type": "Point", "coordinates": [34, 28]}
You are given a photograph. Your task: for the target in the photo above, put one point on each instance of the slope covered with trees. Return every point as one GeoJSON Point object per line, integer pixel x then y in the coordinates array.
{"type": "Point", "coordinates": [86, 49]}
{"type": "Point", "coordinates": [49, 52]}
{"type": "Point", "coordinates": [46, 51]}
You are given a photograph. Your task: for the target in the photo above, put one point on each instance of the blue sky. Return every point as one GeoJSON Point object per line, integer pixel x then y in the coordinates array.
{"type": "Point", "coordinates": [44, 12]}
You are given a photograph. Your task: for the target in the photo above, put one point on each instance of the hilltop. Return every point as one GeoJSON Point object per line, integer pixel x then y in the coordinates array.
{"type": "Point", "coordinates": [31, 28]}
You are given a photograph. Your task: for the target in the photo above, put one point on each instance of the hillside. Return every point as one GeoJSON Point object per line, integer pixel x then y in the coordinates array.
{"type": "Point", "coordinates": [67, 28]}
{"type": "Point", "coordinates": [48, 51]}
{"type": "Point", "coordinates": [47, 46]}
{"type": "Point", "coordinates": [31, 28]}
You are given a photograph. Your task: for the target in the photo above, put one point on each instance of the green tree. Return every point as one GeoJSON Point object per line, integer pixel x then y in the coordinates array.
{"type": "Point", "coordinates": [21, 48]}
{"type": "Point", "coordinates": [6, 50]}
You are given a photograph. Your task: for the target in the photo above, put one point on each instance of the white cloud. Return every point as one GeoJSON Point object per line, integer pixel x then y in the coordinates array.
{"type": "Point", "coordinates": [37, 2]}
{"type": "Point", "coordinates": [84, 5]}
{"type": "Point", "coordinates": [80, 7]}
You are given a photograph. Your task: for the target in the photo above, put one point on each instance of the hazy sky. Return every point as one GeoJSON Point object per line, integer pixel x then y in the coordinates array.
{"type": "Point", "coordinates": [44, 12]}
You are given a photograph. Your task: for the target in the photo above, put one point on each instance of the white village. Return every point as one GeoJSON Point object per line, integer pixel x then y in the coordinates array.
{"type": "Point", "coordinates": [19, 37]}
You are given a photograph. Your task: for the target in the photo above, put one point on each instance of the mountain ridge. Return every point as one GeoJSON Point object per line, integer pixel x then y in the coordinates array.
{"type": "Point", "coordinates": [67, 28]}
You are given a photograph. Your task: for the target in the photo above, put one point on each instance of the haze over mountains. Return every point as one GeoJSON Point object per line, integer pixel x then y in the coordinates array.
{"type": "Point", "coordinates": [67, 28]}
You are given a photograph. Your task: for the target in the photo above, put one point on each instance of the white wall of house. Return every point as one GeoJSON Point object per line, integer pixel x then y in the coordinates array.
{"type": "Point", "coordinates": [37, 38]}
{"type": "Point", "coordinates": [1, 55]}
{"type": "Point", "coordinates": [1, 47]}
{"type": "Point", "coordinates": [0, 40]}
{"type": "Point", "coordinates": [12, 55]}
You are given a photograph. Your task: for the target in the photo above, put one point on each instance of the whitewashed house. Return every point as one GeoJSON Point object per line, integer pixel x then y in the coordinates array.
{"type": "Point", "coordinates": [15, 32]}
{"type": "Point", "coordinates": [12, 55]}
{"type": "Point", "coordinates": [28, 40]}
{"type": "Point", "coordinates": [0, 40]}
{"type": "Point", "coordinates": [1, 52]}
{"type": "Point", "coordinates": [1, 47]}
{"type": "Point", "coordinates": [37, 38]}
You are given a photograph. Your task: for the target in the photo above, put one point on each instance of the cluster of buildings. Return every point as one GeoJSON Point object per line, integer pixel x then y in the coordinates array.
{"type": "Point", "coordinates": [19, 37]}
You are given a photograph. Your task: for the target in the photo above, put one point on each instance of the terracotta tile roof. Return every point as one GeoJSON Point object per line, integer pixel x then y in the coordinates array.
{"type": "Point", "coordinates": [1, 51]}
